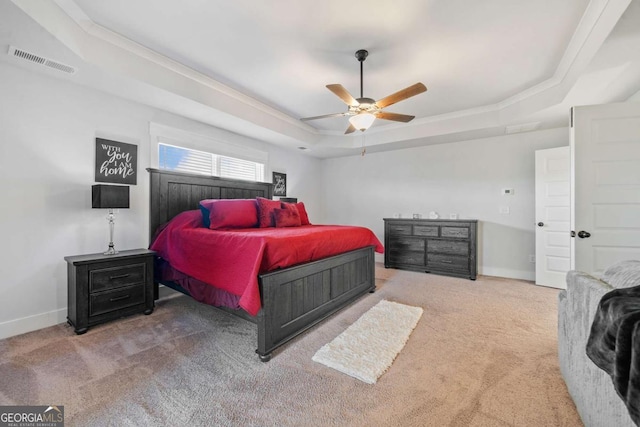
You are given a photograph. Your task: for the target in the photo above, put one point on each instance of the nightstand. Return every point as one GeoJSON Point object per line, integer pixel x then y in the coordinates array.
{"type": "Point", "coordinates": [106, 287]}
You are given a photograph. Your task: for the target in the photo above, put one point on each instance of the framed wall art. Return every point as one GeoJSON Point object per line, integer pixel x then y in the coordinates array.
{"type": "Point", "coordinates": [280, 184]}
{"type": "Point", "coordinates": [116, 162]}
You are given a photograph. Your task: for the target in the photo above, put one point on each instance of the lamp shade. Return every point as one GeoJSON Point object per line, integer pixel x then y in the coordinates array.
{"type": "Point", "coordinates": [109, 196]}
{"type": "Point", "coordinates": [362, 121]}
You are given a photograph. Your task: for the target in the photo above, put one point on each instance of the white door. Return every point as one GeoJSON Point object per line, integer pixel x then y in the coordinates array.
{"type": "Point", "coordinates": [553, 214]}
{"type": "Point", "coordinates": [605, 194]}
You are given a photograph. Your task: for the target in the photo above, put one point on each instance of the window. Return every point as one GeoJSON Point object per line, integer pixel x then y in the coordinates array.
{"type": "Point", "coordinates": [171, 157]}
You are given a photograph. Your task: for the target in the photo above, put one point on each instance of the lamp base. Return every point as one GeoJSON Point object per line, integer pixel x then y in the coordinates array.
{"type": "Point", "coordinates": [111, 219]}
{"type": "Point", "coordinates": [111, 250]}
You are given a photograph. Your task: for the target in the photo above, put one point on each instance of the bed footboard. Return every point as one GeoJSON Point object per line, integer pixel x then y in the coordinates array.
{"type": "Point", "coordinates": [297, 298]}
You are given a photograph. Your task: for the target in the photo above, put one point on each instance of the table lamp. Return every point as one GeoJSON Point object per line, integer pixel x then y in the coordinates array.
{"type": "Point", "coordinates": [110, 197]}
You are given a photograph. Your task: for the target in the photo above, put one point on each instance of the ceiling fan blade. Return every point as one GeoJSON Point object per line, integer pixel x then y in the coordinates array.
{"type": "Point", "coordinates": [325, 116]}
{"type": "Point", "coordinates": [394, 116]}
{"type": "Point", "coordinates": [343, 94]}
{"type": "Point", "coordinates": [402, 95]}
{"type": "Point", "coordinates": [350, 129]}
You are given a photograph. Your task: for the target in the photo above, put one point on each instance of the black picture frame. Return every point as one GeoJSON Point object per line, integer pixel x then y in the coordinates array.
{"type": "Point", "coordinates": [116, 162]}
{"type": "Point", "coordinates": [280, 184]}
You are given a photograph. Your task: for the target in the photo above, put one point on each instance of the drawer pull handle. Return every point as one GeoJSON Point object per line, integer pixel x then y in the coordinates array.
{"type": "Point", "coordinates": [122, 276]}
{"type": "Point", "coordinates": [119, 298]}
{"type": "Point", "coordinates": [446, 261]}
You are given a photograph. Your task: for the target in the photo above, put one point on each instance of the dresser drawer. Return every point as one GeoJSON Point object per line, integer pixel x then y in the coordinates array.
{"type": "Point", "coordinates": [406, 243]}
{"type": "Point", "coordinates": [105, 302]}
{"type": "Point", "coordinates": [399, 229]}
{"type": "Point", "coordinates": [116, 277]}
{"type": "Point", "coordinates": [425, 230]}
{"type": "Point", "coordinates": [456, 232]}
{"type": "Point", "coordinates": [406, 257]}
{"type": "Point", "coordinates": [451, 247]}
{"type": "Point", "coordinates": [448, 262]}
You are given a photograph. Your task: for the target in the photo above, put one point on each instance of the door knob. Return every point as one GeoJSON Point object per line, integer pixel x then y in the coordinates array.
{"type": "Point", "coordinates": [540, 224]}
{"type": "Point", "coordinates": [583, 234]}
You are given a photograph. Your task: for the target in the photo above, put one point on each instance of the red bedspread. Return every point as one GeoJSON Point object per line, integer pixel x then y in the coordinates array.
{"type": "Point", "coordinates": [232, 259]}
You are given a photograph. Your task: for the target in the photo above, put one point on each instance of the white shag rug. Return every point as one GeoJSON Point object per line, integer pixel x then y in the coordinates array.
{"type": "Point", "coordinates": [367, 348]}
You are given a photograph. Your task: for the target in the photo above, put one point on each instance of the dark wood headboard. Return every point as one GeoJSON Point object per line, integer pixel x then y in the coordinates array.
{"type": "Point", "coordinates": [175, 192]}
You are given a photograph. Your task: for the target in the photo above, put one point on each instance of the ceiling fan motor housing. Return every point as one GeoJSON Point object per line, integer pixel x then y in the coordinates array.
{"type": "Point", "coordinates": [365, 105]}
{"type": "Point", "coordinates": [361, 55]}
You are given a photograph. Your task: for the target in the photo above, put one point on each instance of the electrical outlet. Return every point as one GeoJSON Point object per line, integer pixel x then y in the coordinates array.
{"type": "Point", "coordinates": [532, 259]}
{"type": "Point", "coordinates": [504, 210]}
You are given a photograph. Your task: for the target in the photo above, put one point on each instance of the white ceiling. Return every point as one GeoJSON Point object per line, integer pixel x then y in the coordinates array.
{"type": "Point", "coordinates": [255, 68]}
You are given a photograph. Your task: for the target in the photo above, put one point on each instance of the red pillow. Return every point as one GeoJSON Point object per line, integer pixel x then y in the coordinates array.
{"type": "Point", "coordinates": [302, 212]}
{"type": "Point", "coordinates": [286, 218]}
{"type": "Point", "coordinates": [229, 213]}
{"type": "Point", "coordinates": [265, 211]}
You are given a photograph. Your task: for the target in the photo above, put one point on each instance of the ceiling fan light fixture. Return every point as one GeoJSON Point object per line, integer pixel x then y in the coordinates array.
{"type": "Point", "coordinates": [362, 121]}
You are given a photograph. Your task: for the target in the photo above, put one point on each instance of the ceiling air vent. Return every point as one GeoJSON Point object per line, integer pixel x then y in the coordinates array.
{"type": "Point", "coordinates": [41, 60]}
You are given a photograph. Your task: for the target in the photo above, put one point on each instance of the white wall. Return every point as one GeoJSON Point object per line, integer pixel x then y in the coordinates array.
{"type": "Point", "coordinates": [465, 178]}
{"type": "Point", "coordinates": [47, 140]}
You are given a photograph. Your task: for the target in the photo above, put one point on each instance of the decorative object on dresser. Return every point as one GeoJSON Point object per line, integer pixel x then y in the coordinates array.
{"type": "Point", "coordinates": [105, 287]}
{"type": "Point", "coordinates": [110, 197]}
{"type": "Point", "coordinates": [440, 246]}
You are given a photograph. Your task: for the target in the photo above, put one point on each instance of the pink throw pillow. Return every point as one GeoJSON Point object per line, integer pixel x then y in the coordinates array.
{"type": "Point", "coordinates": [265, 211]}
{"type": "Point", "coordinates": [302, 212]}
{"type": "Point", "coordinates": [229, 213]}
{"type": "Point", "coordinates": [286, 218]}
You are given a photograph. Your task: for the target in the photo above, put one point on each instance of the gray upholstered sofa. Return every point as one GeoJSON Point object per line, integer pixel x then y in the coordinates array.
{"type": "Point", "coordinates": [590, 387]}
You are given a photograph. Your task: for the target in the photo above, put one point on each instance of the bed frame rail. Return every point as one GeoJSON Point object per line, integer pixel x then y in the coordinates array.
{"type": "Point", "coordinates": [297, 298]}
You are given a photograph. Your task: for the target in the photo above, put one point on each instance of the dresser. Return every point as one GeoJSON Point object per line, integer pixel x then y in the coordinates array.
{"type": "Point", "coordinates": [105, 287]}
{"type": "Point", "coordinates": [440, 246]}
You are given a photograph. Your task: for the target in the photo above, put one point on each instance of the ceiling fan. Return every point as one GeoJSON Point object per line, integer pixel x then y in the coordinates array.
{"type": "Point", "coordinates": [363, 111]}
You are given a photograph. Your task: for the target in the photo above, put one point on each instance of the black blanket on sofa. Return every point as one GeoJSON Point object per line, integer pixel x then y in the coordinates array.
{"type": "Point", "coordinates": [614, 344]}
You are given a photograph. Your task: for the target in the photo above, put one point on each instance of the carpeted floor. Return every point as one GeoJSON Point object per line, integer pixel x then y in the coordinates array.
{"type": "Point", "coordinates": [484, 353]}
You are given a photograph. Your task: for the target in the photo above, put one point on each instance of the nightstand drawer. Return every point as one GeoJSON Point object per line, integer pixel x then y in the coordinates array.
{"type": "Point", "coordinates": [116, 277]}
{"type": "Point", "coordinates": [105, 302]}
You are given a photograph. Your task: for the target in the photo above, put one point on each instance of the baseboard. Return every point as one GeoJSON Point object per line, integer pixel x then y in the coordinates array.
{"type": "Point", "coordinates": [23, 325]}
{"type": "Point", "coordinates": [32, 323]}
{"type": "Point", "coordinates": [165, 291]}
{"type": "Point", "coordinates": [507, 273]}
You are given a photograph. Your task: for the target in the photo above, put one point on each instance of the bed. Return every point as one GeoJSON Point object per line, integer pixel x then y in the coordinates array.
{"type": "Point", "coordinates": [292, 299]}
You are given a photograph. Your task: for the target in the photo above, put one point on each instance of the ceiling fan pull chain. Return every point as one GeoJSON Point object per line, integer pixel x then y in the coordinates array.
{"type": "Point", "coordinates": [364, 149]}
